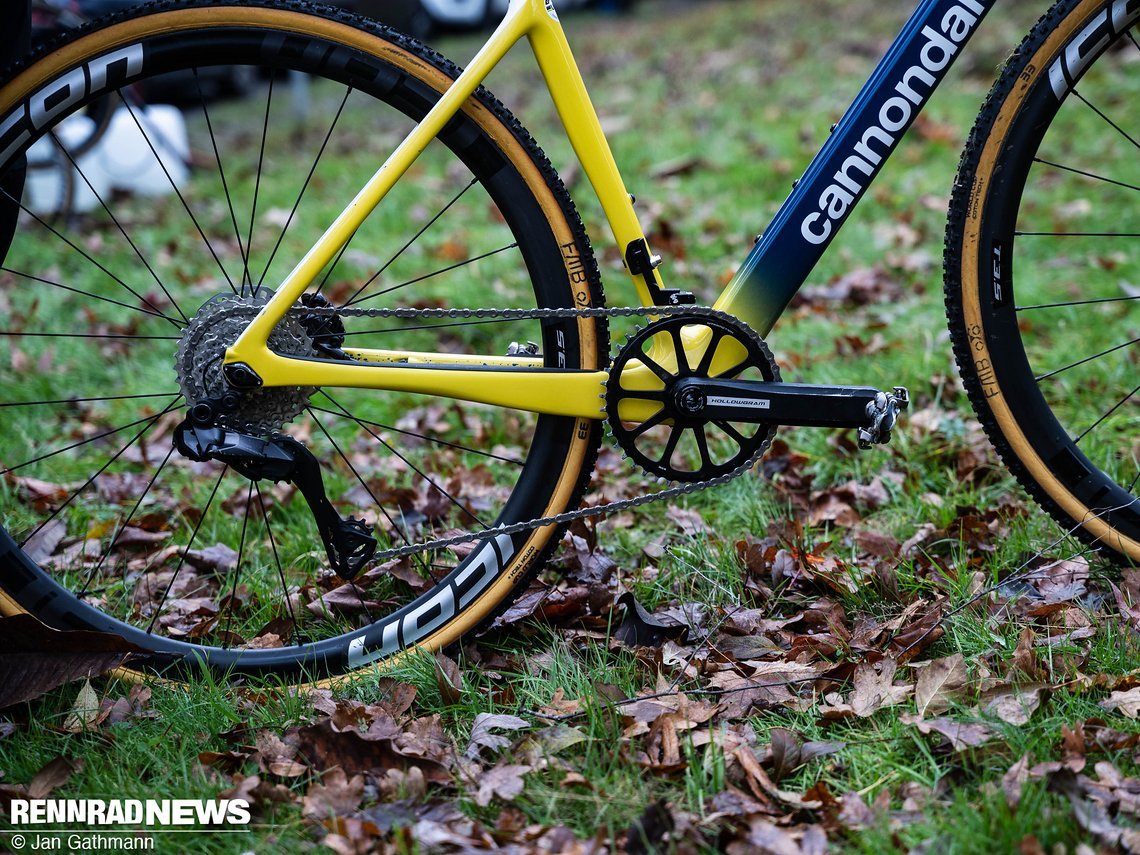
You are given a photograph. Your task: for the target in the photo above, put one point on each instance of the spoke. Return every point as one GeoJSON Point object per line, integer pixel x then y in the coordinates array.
{"type": "Point", "coordinates": [440, 272]}
{"type": "Point", "coordinates": [679, 350]}
{"type": "Point", "coordinates": [1112, 410]}
{"type": "Point", "coordinates": [304, 187]}
{"type": "Point", "coordinates": [257, 177]}
{"type": "Point", "coordinates": [710, 352]}
{"type": "Point", "coordinates": [736, 435]}
{"type": "Point", "coordinates": [19, 333]}
{"type": "Point", "coordinates": [242, 249]}
{"type": "Point", "coordinates": [432, 439]}
{"type": "Point", "coordinates": [671, 445]}
{"type": "Point", "coordinates": [1135, 478]}
{"type": "Point", "coordinates": [663, 375]}
{"type": "Point", "coordinates": [276, 560]}
{"type": "Point", "coordinates": [115, 220]}
{"type": "Point", "coordinates": [178, 193]}
{"type": "Point", "coordinates": [340, 254]}
{"type": "Point", "coordinates": [1085, 174]}
{"type": "Point", "coordinates": [1087, 359]}
{"type": "Point", "coordinates": [1076, 303]}
{"type": "Point", "coordinates": [91, 480]}
{"type": "Point", "coordinates": [85, 400]}
{"type": "Point", "coordinates": [237, 570]}
{"type": "Point", "coordinates": [1115, 126]}
{"type": "Point", "coordinates": [702, 445]}
{"type": "Point", "coordinates": [43, 281]}
{"type": "Point", "coordinates": [391, 449]}
{"type": "Point", "coordinates": [182, 555]}
{"type": "Point", "coordinates": [1132, 38]}
{"type": "Point", "coordinates": [1078, 234]}
{"type": "Point", "coordinates": [650, 423]}
{"type": "Point", "coordinates": [126, 522]}
{"type": "Point", "coordinates": [89, 439]}
{"type": "Point", "coordinates": [87, 256]}
{"type": "Point", "coordinates": [414, 238]}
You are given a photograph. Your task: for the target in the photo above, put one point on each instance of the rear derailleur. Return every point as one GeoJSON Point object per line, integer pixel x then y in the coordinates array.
{"type": "Point", "coordinates": [348, 542]}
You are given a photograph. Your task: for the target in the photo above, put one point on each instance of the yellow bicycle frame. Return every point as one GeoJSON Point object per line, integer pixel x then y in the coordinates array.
{"type": "Point", "coordinates": [504, 381]}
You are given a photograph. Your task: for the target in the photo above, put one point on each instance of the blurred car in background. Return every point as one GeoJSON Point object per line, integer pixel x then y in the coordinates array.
{"type": "Point", "coordinates": [419, 18]}
{"type": "Point", "coordinates": [50, 17]}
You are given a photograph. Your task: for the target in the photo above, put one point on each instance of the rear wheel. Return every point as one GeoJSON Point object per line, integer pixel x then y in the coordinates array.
{"type": "Point", "coordinates": [113, 315]}
{"type": "Point", "coordinates": [1043, 269]}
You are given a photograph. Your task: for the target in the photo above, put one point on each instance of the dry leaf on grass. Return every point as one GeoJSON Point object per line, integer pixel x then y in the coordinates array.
{"type": "Point", "coordinates": [939, 683]}
{"type": "Point", "coordinates": [334, 795]}
{"type": "Point", "coordinates": [875, 689]}
{"type": "Point", "coordinates": [762, 785]}
{"type": "Point", "coordinates": [483, 737]}
{"type": "Point", "coordinates": [1013, 705]}
{"type": "Point", "coordinates": [1012, 780]}
{"type": "Point", "coordinates": [53, 775]}
{"type": "Point", "coordinates": [35, 658]}
{"type": "Point", "coordinates": [448, 679]}
{"type": "Point", "coordinates": [504, 782]}
{"type": "Point", "coordinates": [959, 735]}
{"type": "Point", "coordinates": [639, 628]}
{"type": "Point", "coordinates": [1126, 703]}
{"type": "Point", "coordinates": [84, 711]}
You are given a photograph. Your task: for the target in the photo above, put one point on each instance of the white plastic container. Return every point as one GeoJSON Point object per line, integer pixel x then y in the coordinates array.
{"type": "Point", "coordinates": [50, 172]}
{"type": "Point", "coordinates": [124, 158]}
{"type": "Point", "coordinates": [128, 148]}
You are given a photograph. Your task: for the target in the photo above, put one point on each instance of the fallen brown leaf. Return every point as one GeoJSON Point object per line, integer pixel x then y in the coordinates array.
{"type": "Point", "coordinates": [874, 687]}
{"type": "Point", "coordinates": [1012, 780]}
{"type": "Point", "coordinates": [503, 781]}
{"type": "Point", "coordinates": [35, 658]}
{"type": "Point", "coordinates": [1126, 703]}
{"type": "Point", "coordinates": [959, 735]}
{"type": "Point", "coordinates": [639, 628]}
{"type": "Point", "coordinates": [1013, 704]}
{"type": "Point", "coordinates": [334, 795]}
{"type": "Point", "coordinates": [448, 679]}
{"type": "Point", "coordinates": [52, 776]}
{"type": "Point", "coordinates": [85, 710]}
{"type": "Point", "coordinates": [482, 735]}
{"type": "Point", "coordinates": [939, 683]}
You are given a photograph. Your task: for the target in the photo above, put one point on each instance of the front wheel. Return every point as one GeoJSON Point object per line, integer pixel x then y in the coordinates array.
{"type": "Point", "coordinates": [1042, 269]}
{"type": "Point", "coordinates": [117, 316]}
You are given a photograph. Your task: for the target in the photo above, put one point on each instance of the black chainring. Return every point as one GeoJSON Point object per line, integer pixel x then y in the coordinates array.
{"type": "Point", "coordinates": [674, 442]}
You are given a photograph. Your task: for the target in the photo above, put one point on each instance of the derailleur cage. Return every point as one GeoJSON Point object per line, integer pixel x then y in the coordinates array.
{"type": "Point", "coordinates": [349, 543]}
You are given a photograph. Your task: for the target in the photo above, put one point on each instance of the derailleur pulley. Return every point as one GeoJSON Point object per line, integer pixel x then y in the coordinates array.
{"type": "Point", "coordinates": [349, 542]}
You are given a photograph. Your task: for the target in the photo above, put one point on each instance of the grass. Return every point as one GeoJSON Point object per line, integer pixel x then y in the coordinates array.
{"type": "Point", "coordinates": [745, 112]}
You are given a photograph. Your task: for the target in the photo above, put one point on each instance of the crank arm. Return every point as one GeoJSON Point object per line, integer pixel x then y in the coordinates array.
{"type": "Point", "coordinates": [870, 410]}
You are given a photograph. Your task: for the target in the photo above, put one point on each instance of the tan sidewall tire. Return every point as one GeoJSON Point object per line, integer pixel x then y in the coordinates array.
{"type": "Point", "coordinates": [571, 479]}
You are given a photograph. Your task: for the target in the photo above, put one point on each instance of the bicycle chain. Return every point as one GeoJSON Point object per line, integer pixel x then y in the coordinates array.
{"type": "Point", "coordinates": [542, 314]}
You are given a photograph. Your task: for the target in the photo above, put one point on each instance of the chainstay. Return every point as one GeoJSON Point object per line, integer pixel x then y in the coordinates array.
{"type": "Point", "coordinates": [540, 314]}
